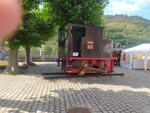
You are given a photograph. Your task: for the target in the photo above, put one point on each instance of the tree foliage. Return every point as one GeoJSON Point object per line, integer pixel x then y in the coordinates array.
{"type": "Point", "coordinates": [48, 50]}
{"type": "Point", "coordinates": [51, 47]}
{"type": "Point", "coordinates": [35, 51]}
{"type": "Point", "coordinates": [78, 11]}
{"type": "Point", "coordinates": [37, 27]}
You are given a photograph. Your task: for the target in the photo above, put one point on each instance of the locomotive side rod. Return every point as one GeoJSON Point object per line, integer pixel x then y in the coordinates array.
{"type": "Point", "coordinates": [65, 75]}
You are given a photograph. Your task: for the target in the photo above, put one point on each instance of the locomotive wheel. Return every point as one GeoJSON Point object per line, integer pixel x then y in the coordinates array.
{"type": "Point", "coordinates": [81, 73]}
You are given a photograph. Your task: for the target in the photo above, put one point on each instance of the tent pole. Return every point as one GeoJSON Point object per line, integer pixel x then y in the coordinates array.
{"type": "Point", "coordinates": [145, 61]}
{"type": "Point", "coordinates": [131, 60]}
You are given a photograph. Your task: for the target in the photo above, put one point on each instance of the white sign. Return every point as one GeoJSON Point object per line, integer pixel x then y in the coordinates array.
{"type": "Point", "coordinates": [75, 53]}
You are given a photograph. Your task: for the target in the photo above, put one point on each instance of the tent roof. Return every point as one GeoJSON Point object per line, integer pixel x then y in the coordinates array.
{"type": "Point", "coordinates": [143, 48]}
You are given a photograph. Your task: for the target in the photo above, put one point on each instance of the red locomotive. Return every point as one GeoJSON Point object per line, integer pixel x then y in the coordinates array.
{"type": "Point", "coordinates": [117, 49]}
{"type": "Point", "coordinates": [117, 55]}
{"type": "Point", "coordinates": [83, 50]}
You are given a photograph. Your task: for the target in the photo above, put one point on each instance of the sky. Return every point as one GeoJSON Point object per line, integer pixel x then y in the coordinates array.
{"type": "Point", "coordinates": [129, 7]}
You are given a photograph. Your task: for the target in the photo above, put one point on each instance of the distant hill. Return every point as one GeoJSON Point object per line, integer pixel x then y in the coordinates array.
{"type": "Point", "coordinates": [127, 19]}
{"type": "Point", "coordinates": [123, 28]}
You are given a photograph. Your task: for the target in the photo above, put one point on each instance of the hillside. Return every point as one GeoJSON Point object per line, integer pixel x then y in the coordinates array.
{"type": "Point", "coordinates": [127, 19]}
{"type": "Point", "coordinates": [123, 28]}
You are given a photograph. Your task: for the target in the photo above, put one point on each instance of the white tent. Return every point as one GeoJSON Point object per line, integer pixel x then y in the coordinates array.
{"type": "Point", "coordinates": [137, 57]}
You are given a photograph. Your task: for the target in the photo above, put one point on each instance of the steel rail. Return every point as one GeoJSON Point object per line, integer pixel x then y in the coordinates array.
{"type": "Point", "coordinates": [65, 75]}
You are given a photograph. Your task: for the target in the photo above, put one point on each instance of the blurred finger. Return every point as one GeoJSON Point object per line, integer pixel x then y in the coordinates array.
{"type": "Point", "coordinates": [10, 17]}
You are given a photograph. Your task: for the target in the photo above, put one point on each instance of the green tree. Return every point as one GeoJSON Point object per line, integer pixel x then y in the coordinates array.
{"type": "Point", "coordinates": [86, 12]}
{"type": "Point", "coordinates": [43, 29]}
{"type": "Point", "coordinates": [36, 28]}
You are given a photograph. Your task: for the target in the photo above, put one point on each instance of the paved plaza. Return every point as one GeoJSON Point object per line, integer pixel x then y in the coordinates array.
{"type": "Point", "coordinates": [31, 93]}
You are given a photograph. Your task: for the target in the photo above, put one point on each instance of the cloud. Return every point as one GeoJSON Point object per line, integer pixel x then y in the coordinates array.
{"type": "Point", "coordinates": [123, 7]}
{"type": "Point", "coordinates": [140, 3]}
{"type": "Point", "coordinates": [126, 6]}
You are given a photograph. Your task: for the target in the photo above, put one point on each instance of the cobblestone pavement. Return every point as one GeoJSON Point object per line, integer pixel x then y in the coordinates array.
{"type": "Point", "coordinates": [31, 93]}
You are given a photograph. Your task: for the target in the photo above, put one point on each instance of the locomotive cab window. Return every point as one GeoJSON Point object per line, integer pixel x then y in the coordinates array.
{"type": "Point", "coordinates": [77, 34]}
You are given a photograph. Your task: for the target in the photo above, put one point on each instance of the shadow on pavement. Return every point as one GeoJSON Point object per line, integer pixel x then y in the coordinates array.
{"type": "Point", "coordinates": [96, 99]}
{"type": "Point", "coordinates": [2, 68]}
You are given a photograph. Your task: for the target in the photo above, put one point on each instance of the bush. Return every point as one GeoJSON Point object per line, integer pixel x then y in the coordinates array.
{"type": "Point", "coordinates": [48, 50]}
{"type": "Point", "coordinates": [35, 51]}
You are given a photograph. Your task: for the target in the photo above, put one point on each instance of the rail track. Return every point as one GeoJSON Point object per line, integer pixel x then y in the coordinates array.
{"type": "Point", "coordinates": [62, 75]}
